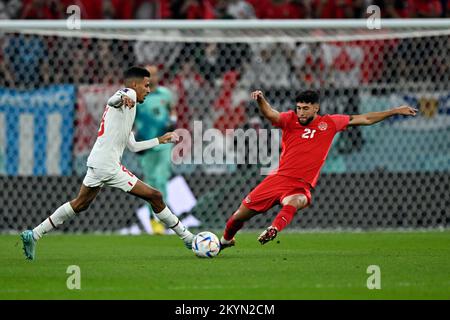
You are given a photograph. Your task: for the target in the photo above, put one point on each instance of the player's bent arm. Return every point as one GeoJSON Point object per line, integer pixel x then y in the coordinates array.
{"type": "Point", "coordinates": [370, 118]}
{"type": "Point", "coordinates": [266, 109]}
{"type": "Point", "coordinates": [117, 100]}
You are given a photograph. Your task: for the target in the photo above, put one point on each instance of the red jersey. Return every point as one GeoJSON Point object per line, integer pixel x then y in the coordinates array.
{"type": "Point", "coordinates": [305, 148]}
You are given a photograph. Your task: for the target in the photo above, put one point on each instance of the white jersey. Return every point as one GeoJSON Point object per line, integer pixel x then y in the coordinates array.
{"type": "Point", "coordinates": [114, 132]}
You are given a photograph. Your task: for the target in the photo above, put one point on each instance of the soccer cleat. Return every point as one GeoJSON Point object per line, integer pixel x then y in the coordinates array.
{"type": "Point", "coordinates": [228, 244]}
{"type": "Point", "coordinates": [188, 241]}
{"type": "Point", "coordinates": [268, 235]}
{"type": "Point", "coordinates": [29, 244]}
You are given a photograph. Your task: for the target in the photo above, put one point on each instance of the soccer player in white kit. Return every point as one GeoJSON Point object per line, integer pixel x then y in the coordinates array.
{"type": "Point", "coordinates": [104, 166]}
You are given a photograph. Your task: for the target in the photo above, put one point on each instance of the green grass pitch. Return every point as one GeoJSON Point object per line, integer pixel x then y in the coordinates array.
{"type": "Point", "coordinates": [414, 265]}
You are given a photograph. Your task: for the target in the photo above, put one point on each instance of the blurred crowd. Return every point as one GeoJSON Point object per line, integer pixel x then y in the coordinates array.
{"type": "Point", "coordinates": [211, 80]}
{"type": "Point", "coordinates": [219, 71]}
{"type": "Point", "coordinates": [28, 61]}
{"type": "Point", "coordinates": [216, 74]}
{"type": "Point", "coordinates": [222, 9]}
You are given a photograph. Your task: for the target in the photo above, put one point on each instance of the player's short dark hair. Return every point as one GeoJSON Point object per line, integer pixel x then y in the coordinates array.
{"type": "Point", "coordinates": [308, 96]}
{"type": "Point", "coordinates": [136, 72]}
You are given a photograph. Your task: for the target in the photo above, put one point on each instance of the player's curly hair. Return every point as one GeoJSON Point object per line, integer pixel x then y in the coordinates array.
{"type": "Point", "coordinates": [308, 96]}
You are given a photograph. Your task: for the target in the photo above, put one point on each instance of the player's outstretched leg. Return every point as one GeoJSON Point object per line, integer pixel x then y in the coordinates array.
{"type": "Point", "coordinates": [234, 224]}
{"type": "Point", "coordinates": [290, 204]}
{"type": "Point", "coordinates": [162, 212]}
{"type": "Point", "coordinates": [66, 211]}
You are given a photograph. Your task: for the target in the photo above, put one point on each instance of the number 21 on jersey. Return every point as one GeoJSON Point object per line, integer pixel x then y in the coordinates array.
{"type": "Point", "coordinates": [308, 133]}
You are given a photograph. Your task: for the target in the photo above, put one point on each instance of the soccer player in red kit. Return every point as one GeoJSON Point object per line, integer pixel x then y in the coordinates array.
{"type": "Point", "coordinates": [306, 140]}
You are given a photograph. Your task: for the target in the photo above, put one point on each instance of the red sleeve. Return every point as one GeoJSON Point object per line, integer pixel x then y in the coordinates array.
{"type": "Point", "coordinates": [284, 120]}
{"type": "Point", "coordinates": [341, 121]}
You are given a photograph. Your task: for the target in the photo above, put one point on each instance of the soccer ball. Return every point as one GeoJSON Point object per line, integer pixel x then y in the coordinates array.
{"type": "Point", "coordinates": [206, 245]}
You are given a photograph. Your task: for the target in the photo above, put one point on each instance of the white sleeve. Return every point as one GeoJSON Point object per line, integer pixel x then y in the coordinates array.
{"type": "Point", "coordinates": [135, 146]}
{"type": "Point", "coordinates": [116, 100]}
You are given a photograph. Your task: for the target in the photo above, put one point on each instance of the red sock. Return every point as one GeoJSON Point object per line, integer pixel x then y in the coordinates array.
{"type": "Point", "coordinates": [232, 227]}
{"type": "Point", "coordinates": [284, 217]}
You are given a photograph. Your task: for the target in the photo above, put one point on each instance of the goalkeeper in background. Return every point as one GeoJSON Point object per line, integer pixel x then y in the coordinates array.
{"type": "Point", "coordinates": [154, 116]}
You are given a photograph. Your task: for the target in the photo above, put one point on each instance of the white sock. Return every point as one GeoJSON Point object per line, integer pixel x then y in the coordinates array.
{"type": "Point", "coordinates": [224, 241]}
{"type": "Point", "coordinates": [61, 214]}
{"type": "Point", "coordinates": [172, 221]}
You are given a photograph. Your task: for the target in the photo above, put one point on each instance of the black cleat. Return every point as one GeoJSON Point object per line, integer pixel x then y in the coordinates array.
{"type": "Point", "coordinates": [268, 235]}
{"type": "Point", "coordinates": [227, 245]}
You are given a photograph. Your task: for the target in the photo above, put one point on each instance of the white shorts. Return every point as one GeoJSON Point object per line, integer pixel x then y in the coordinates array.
{"type": "Point", "coordinates": [122, 178]}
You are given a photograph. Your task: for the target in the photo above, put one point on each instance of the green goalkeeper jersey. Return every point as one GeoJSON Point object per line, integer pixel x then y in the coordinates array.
{"type": "Point", "coordinates": [153, 116]}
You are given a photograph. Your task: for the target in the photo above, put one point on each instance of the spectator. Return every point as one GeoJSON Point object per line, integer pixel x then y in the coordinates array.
{"type": "Point", "coordinates": [426, 8]}
{"type": "Point", "coordinates": [213, 60]}
{"type": "Point", "coordinates": [116, 9]}
{"type": "Point", "coordinates": [111, 61]}
{"type": "Point", "coordinates": [153, 9]}
{"type": "Point", "coordinates": [221, 9]}
{"type": "Point", "coordinates": [68, 59]}
{"type": "Point", "coordinates": [312, 64]}
{"type": "Point", "coordinates": [339, 64]}
{"type": "Point", "coordinates": [346, 66]}
{"type": "Point", "coordinates": [104, 63]}
{"type": "Point", "coordinates": [187, 83]}
{"type": "Point", "coordinates": [43, 9]}
{"type": "Point", "coordinates": [270, 66]}
{"type": "Point", "coordinates": [209, 61]}
{"type": "Point", "coordinates": [332, 9]}
{"type": "Point", "coordinates": [26, 59]}
{"type": "Point", "coordinates": [6, 79]}
{"type": "Point", "coordinates": [359, 8]}
{"type": "Point", "coordinates": [109, 11]}
{"type": "Point", "coordinates": [176, 7]}
{"type": "Point", "coordinates": [103, 9]}
{"type": "Point", "coordinates": [280, 9]}
{"type": "Point", "coordinates": [90, 9]}
{"type": "Point", "coordinates": [193, 9]}
{"type": "Point", "coordinates": [159, 53]}
{"type": "Point", "coordinates": [237, 9]}
{"type": "Point", "coordinates": [394, 9]}
{"type": "Point", "coordinates": [125, 9]}
{"type": "Point", "coordinates": [10, 9]}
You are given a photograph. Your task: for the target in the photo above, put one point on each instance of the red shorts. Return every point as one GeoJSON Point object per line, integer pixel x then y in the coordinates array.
{"type": "Point", "coordinates": [272, 190]}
